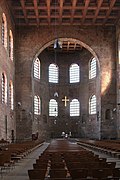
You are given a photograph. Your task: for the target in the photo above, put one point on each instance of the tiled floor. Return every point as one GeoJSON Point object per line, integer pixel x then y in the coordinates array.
{"type": "Point", "coordinates": [20, 172]}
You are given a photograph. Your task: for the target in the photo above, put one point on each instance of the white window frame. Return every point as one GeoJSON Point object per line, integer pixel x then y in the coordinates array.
{"type": "Point", "coordinates": [92, 68]}
{"type": "Point", "coordinates": [4, 30]}
{"type": "Point", "coordinates": [11, 99]}
{"type": "Point", "coordinates": [74, 108]}
{"type": "Point", "coordinates": [74, 73]}
{"type": "Point", "coordinates": [53, 73]}
{"type": "Point", "coordinates": [37, 68]}
{"type": "Point", "coordinates": [93, 105]}
{"type": "Point", "coordinates": [11, 45]}
{"type": "Point", "coordinates": [37, 105]}
{"type": "Point", "coordinates": [4, 88]}
{"type": "Point", "coordinates": [53, 108]}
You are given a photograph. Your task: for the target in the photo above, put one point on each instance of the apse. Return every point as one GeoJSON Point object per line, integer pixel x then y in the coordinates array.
{"type": "Point", "coordinates": [69, 77]}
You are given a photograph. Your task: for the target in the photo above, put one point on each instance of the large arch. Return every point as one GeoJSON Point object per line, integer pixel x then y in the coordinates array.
{"type": "Point", "coordinates": [93, 53]}
{"type": "Point", "coordinates": [69, 39]}
{"type": "Point", "coordinates": [32, 42]}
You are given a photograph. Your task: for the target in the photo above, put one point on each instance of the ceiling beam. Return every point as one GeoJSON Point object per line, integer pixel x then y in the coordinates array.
{"type": "Point", "coordinates": [73, 10]}
{"type": "Point", "coordinates": [64, 13]}
{"type": "Point", "coordinates": [64, 24]}
{"type": "Point", "coordinates": [36, 11]}
{"type": "Point", "coordinates": [64, 16]}
{"type": "Point", "coordinates": [85, 10]}
{"type": "Point", "coordinates": [61, 10]}
{"type": "Point", "coordinates": [112, 3]}
{"type": "Point", "coordinates": [24, 10]}
{"type": "Point", "coordinates": [117, 8]}
{"type": "Point", "coordinates": [75, 45]}
{"type": "Point", "coordinates": [48, 10]}
{"type": "Point", "coordinates": [99, 3]}
{"type": "Point", "coordinates": [68, 45]}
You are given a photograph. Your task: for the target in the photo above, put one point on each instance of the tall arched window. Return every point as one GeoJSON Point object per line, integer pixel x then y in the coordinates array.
{"type": "Point", "coordinates": [11, 45]}
{"type": "Point", "coordinates": [92, 105]}
{"type": "Point", "coordinates": [74, 73]}
{"type": "Point", "coordinates": [11, 95]}
{"type": "Point", "coordinates": [92, 68]}
{"type": "Point", "coordinates": [74, 108]}
{"type": "Point", "coordinates": [37, 68]}
{"type": "Point", "coordinates": [4, 88]}
{"type": "Point", "coordinates": [4, 31]}
{"type": "Point", "coordinates": [37, 104]}
{"type": "Point", "coordinates": [53, 73]}
{"type": "Point", "coordinates": [53, 108]}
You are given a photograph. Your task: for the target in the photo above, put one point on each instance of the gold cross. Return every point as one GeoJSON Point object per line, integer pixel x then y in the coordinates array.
{"type": "Point", "coordinates": [66, 100]}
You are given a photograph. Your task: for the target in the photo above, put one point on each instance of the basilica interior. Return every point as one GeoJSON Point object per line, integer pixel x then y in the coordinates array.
{"type": "Point", "coordinates": [59, 89]}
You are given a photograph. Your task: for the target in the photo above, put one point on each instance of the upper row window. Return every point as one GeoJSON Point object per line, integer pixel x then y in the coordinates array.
{"type": "Point", "coordinates": [5, 90]}
{"type": "Point", "coordinates": [4, 36]}
{"type": "Point", "coordinates": [53, 73]}
{"type": "Point", "coordinates": [37, 68]}
{"type": "Point", "coordinates": [74, 71]}
{"type": "Point", "coordinates": [93, 68]}
{"type": "Point", "coordinates": [4, 31]}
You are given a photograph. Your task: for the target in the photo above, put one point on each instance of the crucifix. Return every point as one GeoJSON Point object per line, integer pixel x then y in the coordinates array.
{"type": "Point", "coordinates": [65, 100]}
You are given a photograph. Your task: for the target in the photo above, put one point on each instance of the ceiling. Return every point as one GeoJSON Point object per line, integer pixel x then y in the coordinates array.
{"type": "Point", "coordinates": [67, 46]}
{"type": "Point", "coordinates": [65, 12]}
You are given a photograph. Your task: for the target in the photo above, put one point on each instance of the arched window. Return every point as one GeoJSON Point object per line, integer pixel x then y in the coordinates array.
{"type": "Point", "coordinates": [53, 108]}
{"type": "Point", "coordinates": [53, 73]}
{"type": "Point", "coordinates": [37, 104]}
{"type": "Point", "coordinates": [4, 31]}
{"type": "Point", "coordinates": [11, 45]}
{"type": "Point", "coordinates": [37, 68]}
{"type": "Point", "coordinates": [74, 108]}
{"type": "Point", "coordinates": [74, 73]}
{"type": "Point", "coordinates": [11, 95]}
{"type": "Point", "coordinates": [92, 105]}
{"type": "Point", "coordinates": [92, 68]}
{"type": "Point", "coordinates": [4, 88]}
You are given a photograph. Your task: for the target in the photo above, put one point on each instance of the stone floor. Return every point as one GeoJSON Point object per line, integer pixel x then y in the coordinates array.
{"type": "Point", "coordinates": [20, 172]}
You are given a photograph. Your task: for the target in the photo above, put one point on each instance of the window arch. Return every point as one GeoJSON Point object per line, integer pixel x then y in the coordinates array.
{"type": "Point", "coordinates": [37, 104]}
{"type": "Point", "coordinates": [53, 73]}
{"type": "Point", "coordinates": [74, 73]}
{"type": "Point", "coordinates": [4, 88]}
{"type": "Point", "coordinates": [92, 105]}
{"type": "Point", "coordinates": [37, 68]}
{"type": "Point", "coordinates": [11, 95]}
{"type": "Point", "coordinates": [92, 68]}
{"type": "Point", "coordinates": [74, 108]}
{"type": "Point", "coordinates": [53, 108]}
{"type": "Point", "coordinates": [4, 31]}
{"type": "Point", "coordinates": [11, 45]}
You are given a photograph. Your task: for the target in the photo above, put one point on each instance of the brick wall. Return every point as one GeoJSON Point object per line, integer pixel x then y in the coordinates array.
{"type": "Point", "coordinates": [7, 66]}
{"type": "Point", "coordinates": [30, 42]}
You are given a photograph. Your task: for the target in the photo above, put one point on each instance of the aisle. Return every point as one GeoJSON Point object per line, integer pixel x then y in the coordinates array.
{"type": "Point", "coordinates": [21, 168]}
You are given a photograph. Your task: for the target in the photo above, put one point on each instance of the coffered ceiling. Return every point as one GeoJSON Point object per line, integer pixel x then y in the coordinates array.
{"type": "Point", "coordinates": [65, 12]}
